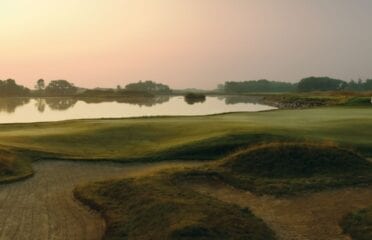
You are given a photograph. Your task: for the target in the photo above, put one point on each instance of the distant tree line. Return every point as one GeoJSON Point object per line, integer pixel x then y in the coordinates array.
{"type": "Point", "coordinates": [305, 85]}
{"type": "Point", "coordinates": [9, 88]}
{"type": "Point", "coordinates": [61, 88]}
{"type": "Point", "coordinates": [360, 85]}
{"type": "Point", "coordinates": [320, 84]}
{"type": "Point", "coordinates": [331, 84]}
{"type": "Point", "coordinates": [258, 86]}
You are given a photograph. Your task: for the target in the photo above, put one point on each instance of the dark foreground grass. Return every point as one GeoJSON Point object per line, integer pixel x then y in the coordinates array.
{"type": "Point", "coordinates": [158, 208]}
{"type": "Point", "coordinates": [296, 160]}
{"type": "Point", "coordinates": [14, 166]}
{"type": "Point", "coordinates": [164, 206]}
{"type": "Point", "coordinates": [358, 224]}
{"type": "Point", "coordinates": [287, 168]}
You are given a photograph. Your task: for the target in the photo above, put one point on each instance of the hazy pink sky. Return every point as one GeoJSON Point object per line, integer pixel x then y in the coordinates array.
{"type": "Point", "coordinates": [183, 43]}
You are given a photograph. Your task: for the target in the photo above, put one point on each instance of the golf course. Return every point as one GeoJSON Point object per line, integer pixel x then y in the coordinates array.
{"type": "Point", "coordinates": [170, 177]}
{"type": "Point", "coordinates": [196, 137]}
{"type": "Point", "coordinates": [185, 120]}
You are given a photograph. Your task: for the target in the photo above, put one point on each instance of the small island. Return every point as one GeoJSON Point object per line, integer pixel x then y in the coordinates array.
{"type": "Point", "coordinates": [192, 98]}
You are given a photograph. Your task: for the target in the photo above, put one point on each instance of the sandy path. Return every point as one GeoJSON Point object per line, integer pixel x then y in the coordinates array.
{"type": "Point", "coordinates": [43, 206]}
{"type": "Point", "coordinates": [308, 217]}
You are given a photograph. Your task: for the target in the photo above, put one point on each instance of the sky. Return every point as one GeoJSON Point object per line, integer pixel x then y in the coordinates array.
{"type": "Point", "coordinates": [183, 43]}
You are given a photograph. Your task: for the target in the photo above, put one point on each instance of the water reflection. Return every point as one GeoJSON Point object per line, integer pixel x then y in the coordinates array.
{"type": "Point", "coordinates": [9, 105]}
{"type": "Point", "coordinates": [54, 109]}
{"type": "Point", "coordinates": [192, 101]}
{"type": "Point", "coordinates": [60, 104]}
{"type": "Point", "coordinates": [40, 104]}
{"type": "Point", "coordinates": [139, 101]}
{"type": "Point", "coordinates": [241, 99]}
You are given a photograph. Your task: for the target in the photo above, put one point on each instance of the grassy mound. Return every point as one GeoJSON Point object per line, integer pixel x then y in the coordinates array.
{"type": "Point", "coordinates": [286, 169]}
{"type": "Point", "coordinates": [157, 208]}
{"type": "Point", "coordinates": [285, 160]}
{"type": "Point", "coordinates": [13, 166]}
{"type": "Point", "coordinates": [359, 224]}
{"type": "Point", "coordinates": [216, 147]}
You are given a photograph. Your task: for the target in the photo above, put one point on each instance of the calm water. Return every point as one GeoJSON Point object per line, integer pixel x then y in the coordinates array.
{"type": "Point", "coordinates": [14, 110]}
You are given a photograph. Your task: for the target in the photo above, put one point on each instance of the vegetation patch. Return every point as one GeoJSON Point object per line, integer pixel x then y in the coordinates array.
{"type": "Point", "coordinates": [359, 101]}
{"type": "Point", "coordinates": [192, 98]}
{"type": "Point", "coordinates": [287, 168]}
{"type": "Point", "coordinates": [216, 147]}
{"type": "Point", "coordinates": [283, 160]}
{"type": "Point", "coordinates": [158, 208]}
{"type": "Point", "coordinates": [358, 224]}
{"type": "Point", "coordinates": [13, 167]}
{"type": "Point", "coordinates": [298, 101]}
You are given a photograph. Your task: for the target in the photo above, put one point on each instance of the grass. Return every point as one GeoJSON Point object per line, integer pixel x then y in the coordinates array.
{"type": "Point", "coordinates": [188, 137]}
{"type": "Point", "coordinates": [295, 160]}
{"type": "Point", "coordinates": [158, 208]}
{"type": "Point", "coordinates": [358, 224]}
{"type": "Point", "coordinates": [13, 166]}
{"type": "Point", "coordinates": [215, 147]}
{"type": "Point", "coordinates": [287, 168]}
{"type": "Point", "coordinates": [164, 206]}
{"type": "Point", "coordinates": [359, 101]}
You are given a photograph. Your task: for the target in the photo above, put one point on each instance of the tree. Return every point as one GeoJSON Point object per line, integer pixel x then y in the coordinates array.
{"type": "Point", "coordinates": [360, 85]}
{"type": "Point", "coordinates": [9, 88]}
{"type": "Point", "coordinates": [60, 88]}
{"type": "Point", "coordinates": [368, 85]}
{"type": "Point", "coordinates": [148, 86]}
{"type": "Point", "coordinates": [40, 85]}
{"type": "Point", "coordinates": [221, 87]}
{"type": "Point", "coordinates": [262, 85]}
{"type": "Point", "coordinates": [320, 84]}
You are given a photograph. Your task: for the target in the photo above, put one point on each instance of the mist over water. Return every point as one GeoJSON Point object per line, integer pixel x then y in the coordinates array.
{"type": "Point", "coordinates": [22, 110]}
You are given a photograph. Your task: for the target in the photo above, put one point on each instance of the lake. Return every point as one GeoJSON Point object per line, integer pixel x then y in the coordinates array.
{"type": "Point", "coordinates": [22, 110]}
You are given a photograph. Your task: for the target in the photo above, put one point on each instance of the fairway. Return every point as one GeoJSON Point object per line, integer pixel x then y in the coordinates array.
{"type": "Point", "coordinates": [140, 138]}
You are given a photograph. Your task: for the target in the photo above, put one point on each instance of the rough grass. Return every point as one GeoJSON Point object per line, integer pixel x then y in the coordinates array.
{"type": "Point", "coordinates": [164, 206]}
{"type": "Point", "coordinates": [123, 139]}
{"type": "Point", "coordinates": [358, 224]}
{"type": "Point", "coordinates": [13, 166]}
{"type": "Point", "coordinates": [157, 208]}
{"type": "Point", "coordinates": [359, 101]}
{"type": "Point", "coordinates": [215, 147]}
{"type": "Point", "coordinates": [287, 168]}
{"type": "Point", "coordinates": [297, 160]}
